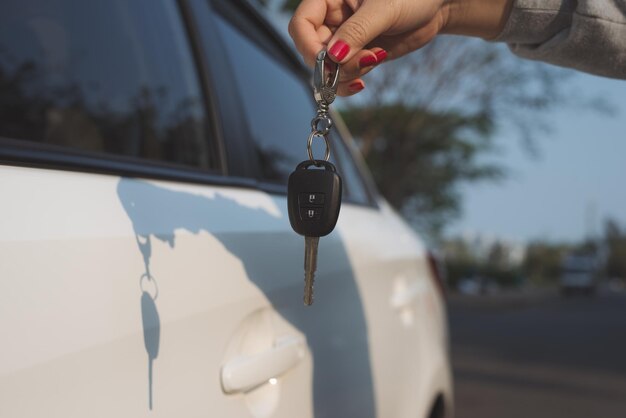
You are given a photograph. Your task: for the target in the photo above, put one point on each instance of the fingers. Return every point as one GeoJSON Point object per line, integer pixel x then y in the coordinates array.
{"type": "Point", "coordinates": [366, 24]}
{"type": "Point", "coordinates": [307, 29]}
{"type": "Point", "coordinates": [407, 42]}
{"type": "Point", "coordinates": [349, 88]}
{"type": "Point", "coordinates": [310, 28]}
{"type": "Point", "coordinates": [362, 63]}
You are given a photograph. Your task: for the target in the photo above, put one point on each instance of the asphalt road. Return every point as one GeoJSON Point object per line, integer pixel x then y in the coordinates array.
{"type": "Point", "coordinates": [539, 356]}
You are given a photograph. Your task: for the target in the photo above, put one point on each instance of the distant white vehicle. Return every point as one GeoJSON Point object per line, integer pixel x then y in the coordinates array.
{"type": "Point", "coordinates": [477, 285]}
{"type": "Point", "coordinates": [469, 286]}
{"type": "Point", "coordinates": [578, 274]}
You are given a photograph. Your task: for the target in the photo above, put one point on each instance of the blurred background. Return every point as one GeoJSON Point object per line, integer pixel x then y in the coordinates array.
{"type": "Point", "coordinates": [513, 172]}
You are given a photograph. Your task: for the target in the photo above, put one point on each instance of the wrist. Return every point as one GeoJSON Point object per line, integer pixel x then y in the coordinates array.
{"type": "Point", "coordinates": [480, 18]}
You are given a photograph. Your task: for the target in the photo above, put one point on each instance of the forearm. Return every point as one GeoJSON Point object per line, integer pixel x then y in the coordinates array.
{"type": "Point", "coordinates": [479, 18]}
{"type": "Point", "coordinates": [588, 35]}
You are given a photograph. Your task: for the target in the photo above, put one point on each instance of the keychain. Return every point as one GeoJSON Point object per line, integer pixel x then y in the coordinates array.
{"type": "Point", "coordinates": [314, 188]}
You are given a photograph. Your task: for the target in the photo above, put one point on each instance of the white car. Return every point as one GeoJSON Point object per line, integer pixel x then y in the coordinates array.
{"type": "Point", "coordinates": [578, 274]}
{"type": "Point", "coordinates": [147, 264]}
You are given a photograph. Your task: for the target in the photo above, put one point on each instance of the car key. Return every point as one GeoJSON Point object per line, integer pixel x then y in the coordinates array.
{"type": "Point", "coordinates": [314, 201]}
{"type": "Point", "coordinates": [314, 194]}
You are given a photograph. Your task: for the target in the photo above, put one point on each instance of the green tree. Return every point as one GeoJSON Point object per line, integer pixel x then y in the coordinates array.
{"type": "Point", "coordinates": [615, 239]}
{"type": "Point", "coordinates": [543, 261]}
{"type": "Point", "coordinates": [417, 157]}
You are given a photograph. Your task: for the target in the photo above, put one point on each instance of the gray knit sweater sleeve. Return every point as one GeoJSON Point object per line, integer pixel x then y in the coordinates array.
{"type": "Point", "coordinates": [589, 35]}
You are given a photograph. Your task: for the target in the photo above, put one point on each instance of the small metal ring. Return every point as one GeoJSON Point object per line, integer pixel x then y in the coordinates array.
{"type": "Point", "coordinates": [321, 118]}
{"type": "Point", "coordinates": [151, 279]}
{"type": "Point", "coordinates": [309, 144]}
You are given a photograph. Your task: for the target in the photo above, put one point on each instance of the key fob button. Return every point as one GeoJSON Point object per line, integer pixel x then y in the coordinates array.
{"type": "Point", "coordinates": [310, 214]}
{"type": "Point", "coordinates": [311, 199]}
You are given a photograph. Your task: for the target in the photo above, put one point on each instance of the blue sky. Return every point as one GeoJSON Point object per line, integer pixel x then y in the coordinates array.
{"type": "Point", "coordinates": [577, 180]}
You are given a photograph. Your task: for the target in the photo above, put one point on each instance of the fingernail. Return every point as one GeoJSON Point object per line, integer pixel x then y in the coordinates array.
{"type": "Point", "coordinates": [339, 50]}
{"type": "Point", "coordinates": [356, 86]}
{"type": "Point", "coordinates": [381, 55]}
{"type": "Point", "coordinates": [368, 61]}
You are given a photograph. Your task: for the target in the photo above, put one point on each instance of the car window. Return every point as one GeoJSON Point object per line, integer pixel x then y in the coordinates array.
{"type": "Point", "coordinates": [278, 107]}
{"type": "Point", "coordinates": [112, 77]}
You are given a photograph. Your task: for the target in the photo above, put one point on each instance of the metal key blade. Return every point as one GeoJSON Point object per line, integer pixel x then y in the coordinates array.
{"type": "Point", "coordinates": [310, 265]}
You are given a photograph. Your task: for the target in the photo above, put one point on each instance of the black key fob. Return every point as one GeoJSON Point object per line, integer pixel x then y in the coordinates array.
{"type": "Point", "coordinates": [314, 198]}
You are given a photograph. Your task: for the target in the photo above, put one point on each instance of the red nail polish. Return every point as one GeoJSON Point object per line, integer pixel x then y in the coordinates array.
{"type": "Point", "coordinates": [381, 55]}
{"type": "Point", "coordinates": [356, 86]}
{"type": "Point", "coordinates": [339, 50]}
{"type": "Point", "coordinates": [367, 61]}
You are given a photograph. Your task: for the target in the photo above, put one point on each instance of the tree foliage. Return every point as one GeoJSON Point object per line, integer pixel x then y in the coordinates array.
{"type": "Point", "coordinates": [487, 265]}
{"type": "Point", "coordinates": [417, 157]}
{"type": "Point", "coordinates": [615, 240]}
{"type": "Point", "coordinates": [543, 261]}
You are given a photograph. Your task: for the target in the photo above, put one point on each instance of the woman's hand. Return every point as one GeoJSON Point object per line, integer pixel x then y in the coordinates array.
{"type": "Point", "coordinates": [360, 34]}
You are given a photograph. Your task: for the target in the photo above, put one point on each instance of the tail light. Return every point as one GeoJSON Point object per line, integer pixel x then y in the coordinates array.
{"type": "Point", "coordinates": [438, 273]}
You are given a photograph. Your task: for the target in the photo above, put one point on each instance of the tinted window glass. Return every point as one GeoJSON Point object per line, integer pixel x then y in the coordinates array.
{"type": "Point", "coordinates": [110, 76]}
{"type": "Point", "coordinates": [279, 107]}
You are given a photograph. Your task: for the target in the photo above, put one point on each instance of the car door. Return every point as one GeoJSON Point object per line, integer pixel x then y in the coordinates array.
{"type": "Point", "coordinates": [377, 328]}
{"type": "Point", "coordinates": [129, 278]}
{"type": "Point", "coordinates": [275, 113]}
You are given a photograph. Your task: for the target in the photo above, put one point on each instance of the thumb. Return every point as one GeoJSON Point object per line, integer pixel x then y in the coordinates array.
{"type": "Point", "coordinates": [366, 24]}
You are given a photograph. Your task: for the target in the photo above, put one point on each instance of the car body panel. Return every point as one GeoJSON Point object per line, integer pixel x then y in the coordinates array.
{"type": "Point", "coordinates": [74, 253]}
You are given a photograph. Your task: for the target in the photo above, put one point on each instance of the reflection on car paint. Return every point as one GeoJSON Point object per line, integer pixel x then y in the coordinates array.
{"type": "Point", "coordinates": [335, 327]}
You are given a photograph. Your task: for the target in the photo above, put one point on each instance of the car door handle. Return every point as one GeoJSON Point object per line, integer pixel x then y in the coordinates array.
{"type": "Point", "coordinates": [245, 373]}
